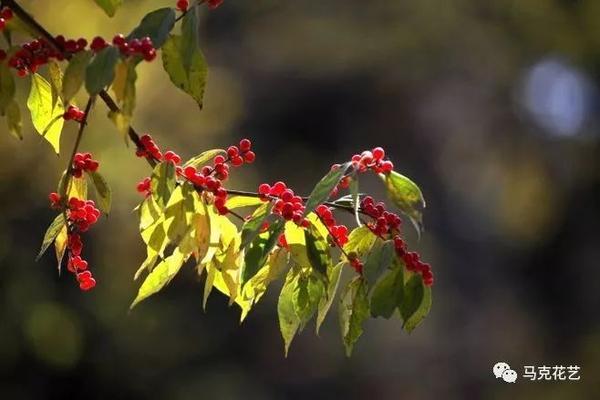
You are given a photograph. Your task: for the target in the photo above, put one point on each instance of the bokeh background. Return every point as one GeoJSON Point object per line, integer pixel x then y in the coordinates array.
{"type": "Point", "coordinates": [491, 106]}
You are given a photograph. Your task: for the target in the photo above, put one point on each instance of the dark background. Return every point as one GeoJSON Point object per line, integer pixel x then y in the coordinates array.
{"type": "Point", "coordinates": [491, 106]}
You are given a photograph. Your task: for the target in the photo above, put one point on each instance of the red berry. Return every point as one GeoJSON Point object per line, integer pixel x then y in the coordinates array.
{"type": "Point", "coordinates": [245, 144]}
{"type": "Point", "coordinates": [182, 5]}
{"type": "Point", "coordinates": [237, 161]}
{"type": "Point", "coordinates": [378, 153]}
{"type": "Point", "coordinates": [119, 40]}
{"type": "Point", "coordinates": [232, 151]}
{"type": "Point", "coordinates": [6, 13]}
{"type": "Point", "coordinates": [249, 157]}
{"type": "Point", "coordinates": [264, 189]}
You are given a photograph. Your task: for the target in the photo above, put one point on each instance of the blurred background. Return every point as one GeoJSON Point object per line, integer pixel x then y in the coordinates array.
{"type": "Point", "coordinates": [491, 106]}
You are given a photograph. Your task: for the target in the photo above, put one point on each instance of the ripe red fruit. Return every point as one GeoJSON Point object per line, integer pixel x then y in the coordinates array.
{"type": "Point", "coordinates": [249, 157]}
{"type": "Point", "coordinates": [245, 144]}
{"type": "Point", "coordinates": [378, 153]}
{"type": "Point", "coordinates": [237, 161]}
{"type": "Point", "coordinates": [6, 13]}
{"type": "Point", "coordinates": [264, 189]}
{"type": "Point", "coordinates": [232, 151]}
{"type": "Point", "coordinates": [118, 40]}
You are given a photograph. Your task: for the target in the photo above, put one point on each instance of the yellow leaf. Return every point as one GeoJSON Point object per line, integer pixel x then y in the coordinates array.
{"type": "Point", "coordinates": [45, 116]}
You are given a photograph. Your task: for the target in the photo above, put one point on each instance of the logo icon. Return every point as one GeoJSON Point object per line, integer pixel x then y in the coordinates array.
{"type": "Point", "coordinates": [503, 370]}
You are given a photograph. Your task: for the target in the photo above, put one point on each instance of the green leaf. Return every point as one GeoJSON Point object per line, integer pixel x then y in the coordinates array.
{"type": "Point", "coordinates": [317, 250]}
{"type": "Point", "coordinates": [308, 293]}
{"type": "Point", "coordinates": [259, 249]}
{"type": "Point", "coordinates": [288, 320]}
{"type": "Point", "coordinates": [252, 227]}
{"type": "Point", "coordinates": [51, 233]}
{"type": "Point", "coordinates": [191, 80]}
{"type": "Point", "coordinates": [42, 111]}
{"type": "Point", "coordinates": [416, 302]}
{"type": "Point", "coordinates": [378, 260]}
{"type": "Point", "coordinates": [156, 25]}
{"type": "Point", "coordinates": [13, 119]}
{"type": "Point", "coordinates": [322, 190]}
{"type": "Point", "coordinates": [109, 6]}
{"type": "Point", "coordinates": [7, 88]}
{"type": "Point", "coordinates": [360, 241]}
{"type": "Point", "coordinates": [100, 73]}
{"type": "Point", "coordinates": [75, 74]}
{"type": "Point", "coordinates": [407, 196]}
{"type": "Point", "coordinates": [388, 292]}
{"type": "Point", "coordinates": [102, 190]}
{"type": "Point", "coordinates": [56, 80]}
{"type": "Point", "coordinates": [202, 158]}
{"type": "Point", "coordinates": [234, 202]}
{"type": "Point", "coordinates": [353, 311]}
{"type": "Point", "coordinates": [189, 39]}
{"type": "Point", "coordinates": [124, 88]}
{"type": "Point", "coordinates": [164, 272]}
{"type": "Point", "coordinates": [163, 182]}
{"type": "Point", "coordinates": [333, 279]}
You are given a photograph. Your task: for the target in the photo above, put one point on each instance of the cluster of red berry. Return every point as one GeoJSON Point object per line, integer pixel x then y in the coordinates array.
{"type": "Point", "coordinates": [82, 162]}
{"type": "Point", "coordinates": [33, 55]}
{"type": "Point", "coordinates": [384, 221]}
{"type": "Point", "coordinates": [183, 5]}
{"type": "Point", "coordinates": [148, 149]}
{"type": "Point", "coordinates": [73, 113]}
{"type": "Point", "coordinates": [133, 47]}
{"type": "Point", "coordinates": [413, 262]}
{"type": "Point", "coordinates": [373, 160]}
{"type": "Point", "coordinates": [205, 181]}
{"type": "Point", "coordinates": [287, 204]}
{"type": "Point", "coordinates": [238, 156]}
{"type": "Point", "coordinates": [6, 15]}
{"type": "Point", "coordinates": [339, 233]}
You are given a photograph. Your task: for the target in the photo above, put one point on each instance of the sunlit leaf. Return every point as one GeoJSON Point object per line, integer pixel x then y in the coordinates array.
{"type": "Point", "coordinates": [416, 302]}
{"type": "Point", "coordinates": [333, 281]}
{"type": "Point", "coordinates": [317, 250]}
{"type": "Point", "coordinates": [308, 292]}
{"type": "Point", "coordinates": [75, 74]}
{"type": "Point", "coordinates": [388, 292]}
{"type": "Point", "coordinates": [322, 190]}
{"type": "Point", "coordinates": [56, 80]}
{"type": "Point", "coordinates": [378, 260]}
{"type": "Point", "coordinates": [100, 72]}
{"type": "Point", "coordinates": [252, 226]}
{"type": "Point", "coordinates": [51, 233]}
{"type": "Point", "coordinates": [109, 6]}
{"type": "Point", "coordinates": [407, 196]}
{"type": "Point", "coordinates": [234, 202]}
{"type": "Point", "coordinates": [163, 182]}
{"type": "Point", "coordinates": [60, 246]}
{"type": "Point", "coordinates": [353, 311]}
{"type": "Point", "coordinates": [360, 241]}
{"type": "Point", "coordinates": [259, 249]}
{"type": "Point", "coordinates": [255, 288]}
{"type": "Point", "coordinates": [203, 158]}
{"type": "Point", "coordinates": [104, 194]}
{"type": "Point", "coordinates": [191, 80]}
{"type": "Point", "coordinates": [42, 111]}
{"type": "Point", "coordinates": [294, 236]}
{"type": "Point", "coordinates": [288, 320]}
{"type": "Point", "coordinates": [124, 88]}
{"type": "Point", "coordinates": [156, 25]}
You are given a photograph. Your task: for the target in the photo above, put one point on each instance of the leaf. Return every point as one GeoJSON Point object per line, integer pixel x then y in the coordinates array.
{"type": "Point", "coordinates": [51, 233]}
{"type": "Point", "coordinates": [42, 111]}
{"type": "Point", "coordinates": [56, 80]}
{"type": "Point", "coordinates": [7, 88]}
{"type": "Point", "coordinates": [124, 88]}
{"type": "Point", "coordinates": [353, 311]}
{"type": "Point", "coordinates": [355, 198]}
{"type": "Point", "coordinates": [416, 302]}
{"type": "Point", "coordinates": [109, 6]}
{"type": "Point", "coordinates": [255, 288]}
{"type": "Point", "coordinates": [317, 250]}
{"type": "Point", "coordinates": [360, 241]}
{"type": "Point", "coordinates": [208, 284]}
{"type": "Point", "coordinates": [100, 73]}
{"type": "Point", "coordinates": [252, 227]}
{"type": "Point", "coordinates": [164, 272]}
{"type": "Point", "coordinates": [189, 39]}
{"type": "Point", "coordinates": [102, 190]}
{"type": "Point", "coordinates": [288, 320]}
{"type": "Point", "coordinates": [322, 190]}
{"type": "Point", "coordinates": [202, 158]}
{"type": "Point", "coordinates": [307, 294]}
{"type": "Point", "coordinates": [407, 196]}
{"type": "Point", "coordinates": [234, 202]}
{"type": "Point", "coordinates": [163, 182]}
{"type": "Point", "coordinates": [294, 236]}
{"type": "Point", "coordinates": [259, 249]}
{"type": "Point", "coordinates": [75, 74]}
{"type": "Point", "coordinates": [388, 292]}
{"type": "Point", "coordinates": [156, 25]}
{"type": "Point", "coordinates": [333, 279]}
{"type": "Point", "coordinates": [13, 119]}
{"type": "Point", "coordinates": [378, 260]}
{"type": "Point", "coordinates": [192, 80]}
{"type": "Point", "coordinates": [60, 246]}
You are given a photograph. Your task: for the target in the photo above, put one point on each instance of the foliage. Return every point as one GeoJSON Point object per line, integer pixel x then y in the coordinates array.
{"type": "Point", "coordinates": [187, 215]}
